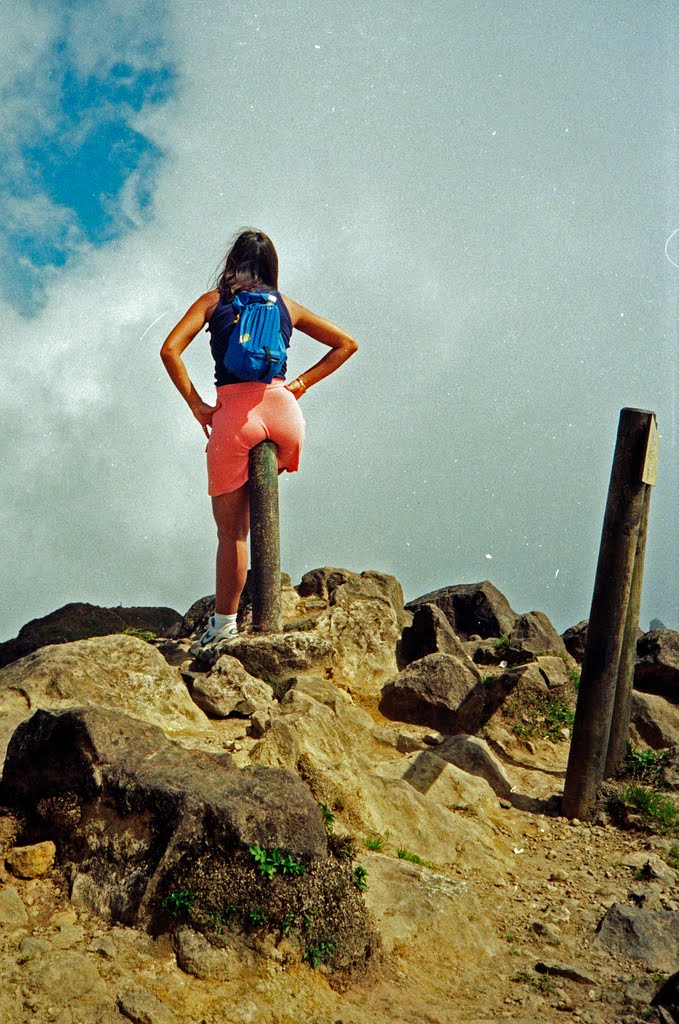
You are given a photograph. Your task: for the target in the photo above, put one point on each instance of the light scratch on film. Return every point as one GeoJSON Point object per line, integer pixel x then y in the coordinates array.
{"type": "Point", "coordinates": [154, 324]}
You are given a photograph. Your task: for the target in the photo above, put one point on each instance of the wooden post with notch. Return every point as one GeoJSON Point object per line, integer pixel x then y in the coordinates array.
{"type": "Point", "coordinates": [265, 546]}
{"type": "Point", "coordinates": [608, 661]}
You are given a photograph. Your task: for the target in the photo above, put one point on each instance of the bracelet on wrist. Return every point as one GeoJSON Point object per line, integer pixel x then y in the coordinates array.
{"type": "Point", "coordinates": [301, 384]}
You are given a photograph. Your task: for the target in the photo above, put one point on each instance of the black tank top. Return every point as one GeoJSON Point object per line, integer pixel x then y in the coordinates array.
{"type": "Point", "coordinates": [220, 326]}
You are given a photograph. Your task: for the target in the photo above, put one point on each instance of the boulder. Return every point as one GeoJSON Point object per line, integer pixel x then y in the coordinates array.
{"type": "Point", "coordinates": [430, 633]}
{"type": "Point", "coordinates": [129, 810]}
{"type": "Point", "coordinates": [274, 657]}
{"type": "Point", "coordinates": [360, 621]}
{"type": "Point", "coordinates": [649, 936]}
{"type": "Point", "coordinates": [12, 910]}
{"type": "Point", "coordinates": [31, 861]}
{"type": "Point", "coordinates": [440, 691]}
{"type": "Point", "coordinates": [79, 621]}
{"type": "Point", "coordinates": [667, 997]}
{"type": "Point", "coordinates": [118, 672]}
{"type": "Point", "coordinates": [657, 667]}
{"type": "Point", "coordinates": [194, 622]}
{"type": "Point", "coordinates": [473, 755]}
{"type": "Point", "coordinates": [654, 721]}
{"type": "Point", "coordinates": [575, 639]}
{"type": "Point", "coordinates": [533, 634]}
{"type": "Point", "coordinates": [230, 691]}
{"type": "Point", "coordinates": [472, 609]}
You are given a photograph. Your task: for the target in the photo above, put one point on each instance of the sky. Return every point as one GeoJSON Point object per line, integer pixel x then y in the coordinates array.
{"type": "Point", "coordinates": [482, 192]}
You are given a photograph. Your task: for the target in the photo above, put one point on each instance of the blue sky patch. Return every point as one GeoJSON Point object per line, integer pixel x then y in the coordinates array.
{"type": "Point", "coordinates": [80, 172]}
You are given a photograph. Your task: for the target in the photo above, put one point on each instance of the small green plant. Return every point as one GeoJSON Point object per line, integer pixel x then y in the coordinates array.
{"type": "Point", "coordinates": [320, 952]}
{"type": "Point", "coordinates": [374, 842]}
{"type": "Point", "coordinates": [672, 857]}
{"type": "Point", "coordinates": [256, 917]}
{"type": "Point", "coordinates": [543, 984]}
{"type": "Point", "coordinates": [413, 858]}
{"type": "Point", "coordinates": [140, 634]}
{"type": "Point", "coordinates": [574, 678]}
{"type": "Point", "coordinates": [359, 878]}
{"type": "Point", "coordinates": [501, 644]}
{"type": "Point", "coordinates": [272, 861]}
{"type": "Point", "coordinates": [558, 716]}
{"type": "Point", "coordinates": [657, 811]}
{"type": "Point", "coordinates": [178, 904]}
{"type": "Point", "coordinates": [288, 924]}
{"type": "Point", "coordinates": [328, 817]}
{"type": "Point", "coordinates": [644, 766]}
{"type": "Point", "coordinates": [489, 680]}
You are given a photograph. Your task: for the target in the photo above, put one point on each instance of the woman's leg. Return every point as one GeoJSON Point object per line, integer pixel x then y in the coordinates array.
{"type": "Point", "coordinates": [232, 516]}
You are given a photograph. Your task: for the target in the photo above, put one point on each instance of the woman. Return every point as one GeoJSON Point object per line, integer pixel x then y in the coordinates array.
{"type": "Point", "coordinates": [246, 412]}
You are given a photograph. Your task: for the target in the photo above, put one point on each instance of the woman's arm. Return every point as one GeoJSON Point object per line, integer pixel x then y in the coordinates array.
{"type": "Point", "coordinates": [341, 345]}
{"type": "Point", "coordinates": [179, 338]}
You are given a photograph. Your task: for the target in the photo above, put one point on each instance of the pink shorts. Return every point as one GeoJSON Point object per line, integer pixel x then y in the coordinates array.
{"type": "Point", "coordinates": [247, 414]}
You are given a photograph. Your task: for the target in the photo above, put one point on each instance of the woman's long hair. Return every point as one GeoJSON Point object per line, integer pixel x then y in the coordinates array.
{"type": "Point", "coordinates": [250, 263]}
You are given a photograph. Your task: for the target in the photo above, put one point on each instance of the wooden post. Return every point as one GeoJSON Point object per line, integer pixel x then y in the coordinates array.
{"type": "Point", "coordinates": [617, 742]}
{"type": "Point", "coordinates": [265, 547]}
{"type": "Point", "coordinates": [610, 602]}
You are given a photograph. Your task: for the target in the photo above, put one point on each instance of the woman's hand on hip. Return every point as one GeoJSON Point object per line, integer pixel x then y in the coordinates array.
{"type": "Point", "coordinates": [204, 413]}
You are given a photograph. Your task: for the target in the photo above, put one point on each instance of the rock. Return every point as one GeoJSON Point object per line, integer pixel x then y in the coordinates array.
{"type": "Point", "coordinates": [197, 957]}
{"type": "Point", "coordinates": [651, 865]}
{"type": "Point", "coordinates": [657, 667]}
{"type": "Point", "coordinates": [561, 970]}
{"type": "Point", "coordinates": [274, 657]}
{"type": "Point", "coordinates": [430, 633]}
{"type": "Point", "coordinates": [117, 672]}
{"type": "Point", "coordinates": [575, 639]}
{"type": "Point", "coordinates": [361, 621]}
{"type": "Point", "coordinates": [230, 691]}
{"type": "Point", "coordinates": [104, 945]}
{"type": "Point", "coordinates": [671, 768]}
{"type": "Point", "coordinates": [142, 1007]}
{"type": "Point", "coordinates": [148, 807]}
{"type": "Point", "coordinates": [473, 755]}
{"type": "Point", "coordinates": [81, 621]}
{"type": "Point", "coordinates": [549, 932]}
{"type": "Point", "coordinates": [12, 910]}
{"type": "Point", "coordinates": [667, 997]}
{"type": "Point", "coordinates": [30, 948]}
{"type": "Point", "coordinates": [9, 830]}
{"type": "Point", "coordinates": [409, 901]}
{"type": "Point", "coordinates": [443, 782]}
{"type": "Point", "coordinates": [68, 936]}
{"type": "Point", "coordinates": [31, 861]}
{"type": "Point", "coordinates": [259, 723]}
{"type": "Point", "coordinates": [654, 720]}
{"type": "Point", "coordinates": [63, 976]}
{"type": "Point", "coordinates": [651, 937]}
{"type": "Point", "coordinates": [531, 635]}
{"type": "Point", "coordinates": [438, 691]}
{"type": "Point", "coordinates": [472, 608]}
{"type": "Point", "coordinates": [195, 620]}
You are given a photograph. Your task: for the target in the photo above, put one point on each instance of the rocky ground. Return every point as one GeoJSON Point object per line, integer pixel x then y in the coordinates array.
{"type": "Point", "coordinates": [489, 906]}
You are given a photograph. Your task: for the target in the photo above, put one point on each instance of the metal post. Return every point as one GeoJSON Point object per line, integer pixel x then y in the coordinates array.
{"type": "Point", "coordinates": [265, 548]}
{"type": "Point", "coordinates": [610, 602]}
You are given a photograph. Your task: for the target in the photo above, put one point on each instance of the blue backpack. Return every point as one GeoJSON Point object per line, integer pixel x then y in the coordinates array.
{"type": "Point", "coordinates": [256, 348]}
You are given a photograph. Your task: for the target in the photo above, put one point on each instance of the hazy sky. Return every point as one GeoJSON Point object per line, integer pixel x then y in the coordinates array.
{"type": "Point", "coordinates": [482, 193]}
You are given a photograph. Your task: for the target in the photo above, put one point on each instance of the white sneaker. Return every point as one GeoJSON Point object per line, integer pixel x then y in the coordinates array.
{"type": "Point", "coordinates": [212, 635]}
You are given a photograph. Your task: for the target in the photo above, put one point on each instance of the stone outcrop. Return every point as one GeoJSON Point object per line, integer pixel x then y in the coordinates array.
{"type": "Point", "coordinates": [654, 721]}
{"type": "Point", "coordinates": [230, 691]}
{"type": "Point", "coordinates": [575, 639]}
{"type": "Point", "coordinates": [473, 755]}
{"type": "Point", "coordinates": [118, 672]}
{"type": "Point", "coordinates": [130, 811]}
{"type": "Point", "coordinates": [657, 667]}
{"type": "Point", "coordinates": [472, 608]}
{"type": "Point", "coordinates": [274, 657]}
{"type": "Point", "coordinates": [79, 621]}
{"type": "Point", "coordinates": [533, 634]}
{"type": "Point", "coordinates": [649, 936]}
{"type": "Point", "coordinates": [429, 633]}
{"type": "Point", "coordinates": [440, 691]}
{"type": "Point", "coordinates": [361, 621]}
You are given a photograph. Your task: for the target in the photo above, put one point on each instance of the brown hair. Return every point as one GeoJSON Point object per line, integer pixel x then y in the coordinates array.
{"type": "Point", "coordinates": [251, 262]}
